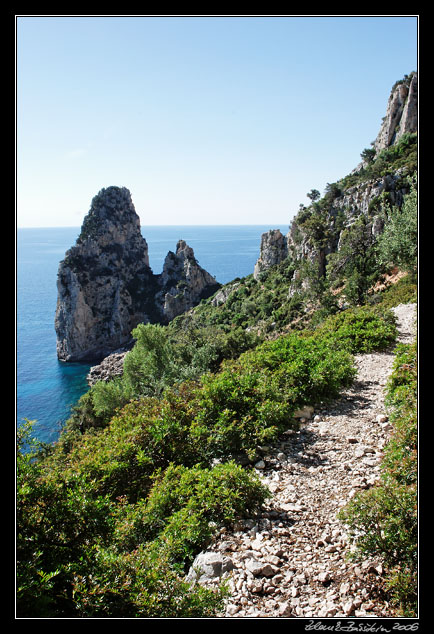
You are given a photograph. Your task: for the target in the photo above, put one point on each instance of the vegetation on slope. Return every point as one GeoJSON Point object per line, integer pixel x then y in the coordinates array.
{"type": "Point", "coordinates": [149, 466]}
{"type": "Point", "coordinates": [109, 520]}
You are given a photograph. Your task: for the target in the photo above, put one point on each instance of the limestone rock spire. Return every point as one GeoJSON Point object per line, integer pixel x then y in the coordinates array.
{"type": "Point", "coordinates": [106, 286]}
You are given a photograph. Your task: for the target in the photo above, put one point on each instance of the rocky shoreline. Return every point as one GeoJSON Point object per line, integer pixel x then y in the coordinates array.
{"type": "Point", "coordinates": [292, 560]}
{"type": "Point", "coordinates": [110, 367]}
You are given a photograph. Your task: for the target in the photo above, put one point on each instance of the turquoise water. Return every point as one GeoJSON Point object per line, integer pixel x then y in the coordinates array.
{"type": "Point", "coordinates": [46, 388]}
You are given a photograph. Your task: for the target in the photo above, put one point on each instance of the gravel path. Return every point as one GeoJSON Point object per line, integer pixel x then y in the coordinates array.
{"type": "Point", "coordinates": [291, 562]}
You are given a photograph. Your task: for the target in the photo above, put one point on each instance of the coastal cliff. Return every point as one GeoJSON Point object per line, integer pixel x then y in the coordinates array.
{"type": "Point", "coordinates": [183, 283]}
{"type": "Point", "coordinates": [106, 286]}
{"type": "Point", "coordinates": [316, 230]}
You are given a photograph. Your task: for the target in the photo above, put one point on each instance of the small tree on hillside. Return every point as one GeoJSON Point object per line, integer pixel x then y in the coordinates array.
{"type": "Point", "coordinates": [354, 264]}
{"type": "Point", "coordinates": [314, 194]}
{"type": "Point", "coordinates": [397, 245]}
{"type": "Point", "coordinates": [368, 155]}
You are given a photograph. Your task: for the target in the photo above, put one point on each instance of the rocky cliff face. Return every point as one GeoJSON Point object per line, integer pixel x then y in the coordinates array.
{"type": "Point", "coordinates": [401, 114]}
{"type": "Point", "coordinates": [183, 282]}
{"type": "Point", "coordinates": [348, 204]}
{"type": "Point", "coordinates": [106, 286]}
{"type": "Point", "coordinates": [274, 249]}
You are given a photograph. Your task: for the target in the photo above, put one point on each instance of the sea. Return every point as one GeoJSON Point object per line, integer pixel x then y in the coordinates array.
{"type": "Point", "coordinates": [46, 388]}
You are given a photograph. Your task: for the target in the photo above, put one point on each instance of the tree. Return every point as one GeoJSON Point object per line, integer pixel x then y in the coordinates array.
{"type": "Point", "coordinates": [368, 155]}
{"type": "Point", "coordinates": [397, 245]}
{"type": "Point", "coordinates": [314, 194]}
{"type": "Point", "coordinates": [355, 262]}
{"type": "Point", "coordinates": [152, 364]}
{"type": "Point", "coordinates": [332, 191]}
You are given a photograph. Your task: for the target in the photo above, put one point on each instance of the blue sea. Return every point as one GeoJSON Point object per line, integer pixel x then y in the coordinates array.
{"type": "Point", "coordinates": [47, 388]}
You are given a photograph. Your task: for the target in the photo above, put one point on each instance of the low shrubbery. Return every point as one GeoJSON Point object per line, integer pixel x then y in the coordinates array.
{"type": "Point", "coordinates": [83, 551]}
{"type": "Point", "coordinates": [253, 398]}
{"type": "Point", "coordinates": [402, 155]}
{"type": "Point", "coordinates": [162, 356]}
{"type": "Point", "coordinates": [110, 519]}
{"type": "Point", "coordinates": [361, 329]}
{"type": "Point", "coordinates": [382, 521]}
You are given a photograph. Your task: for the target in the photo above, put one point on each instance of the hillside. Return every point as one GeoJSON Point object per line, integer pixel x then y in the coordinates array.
{"type": "Point", "coordinates": [269, 430]}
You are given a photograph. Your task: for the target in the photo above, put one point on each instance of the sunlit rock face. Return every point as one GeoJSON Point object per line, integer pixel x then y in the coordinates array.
{"type": "Point", "coordinates": [273, 250]}
{"type": "Point", "coordinates": [183, 282]}
{"type": "Point", "coordinates": [106, 286]}
{"type": "Point", "coordinates": [401, 113]}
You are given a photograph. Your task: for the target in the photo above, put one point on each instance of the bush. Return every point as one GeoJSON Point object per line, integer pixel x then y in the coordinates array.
{"type": "Point", "coordinates": [145, 435]}
{"type": "Point", "coordinates": [58, 521]}
{"type": "Point", "coordinates": [361, 329]}
{"type": "Point", "coordinates": [237, 412]}
{"type": "Point", "coordinates": [253, 399]}
{"type": "Point", "coordinates": [186, 506]}
{"type": "Point", "coordinates": [141, 584]}
{"type": "Point", "coordinates": [152, 364]}
{"type": "Point", "coordinates": [84, 554]}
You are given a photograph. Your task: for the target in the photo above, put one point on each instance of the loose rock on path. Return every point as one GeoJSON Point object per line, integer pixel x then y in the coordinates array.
{"type": "Point", "coordinates": [292, 561]}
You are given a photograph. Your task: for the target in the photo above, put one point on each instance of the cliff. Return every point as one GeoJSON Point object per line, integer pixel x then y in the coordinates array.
{"type": "Point", "coordinates": [380, 178]}
{"type": "Point", "coordinates": [183, 282]}
{"type": "Point", "coordinates": [274, 249]}
{"type": "Point", "coordinates": [401, 113]}
{"type": "Point", "coordinates": [106, 286]}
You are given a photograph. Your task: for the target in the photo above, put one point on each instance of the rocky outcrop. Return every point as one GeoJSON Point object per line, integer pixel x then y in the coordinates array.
{"type": "Point", "coordinates": [223, 294]}
{"type": "Point", "coordinates": [362, 199]}
{"type": "Point", "coordinates": [109, 368]}
{"type": "Point", "coordinates": [106, 286]}
{"type": "Point", "coordinates": [274, 249]}
{"type": "Point", "coordinates": [401, 114]}
{"type": "Point", "coordinates": [183, 282]}
{"type": "Point", "coordinates": [348, 204]}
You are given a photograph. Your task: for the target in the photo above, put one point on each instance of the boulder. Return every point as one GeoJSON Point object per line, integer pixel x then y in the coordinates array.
{"type": "Point", "coordinates": [208, 566]}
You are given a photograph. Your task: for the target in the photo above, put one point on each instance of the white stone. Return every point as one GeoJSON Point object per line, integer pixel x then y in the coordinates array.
{"type": "Point", "coordinates": [382, 418]}
{"type": "Point", "coordinates": [285, 609]}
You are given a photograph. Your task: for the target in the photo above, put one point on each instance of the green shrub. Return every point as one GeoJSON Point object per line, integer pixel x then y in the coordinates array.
{"type": "Point", "coordinates": [360, 329]}
{"type": "Point", "coordinates": [141, 584]}
{"type": "Point", "coordinates": [400, 460]}
{"type": "Point", "coordinates": [145, 435]}
{"type": "Point", "coordinates": [186, 506]}
{"type": "Point", "coordinates": [253, 399]}
{"type": "Point", "coordinates": [385, 521]}
{"type": "Point", "coordinates": [84, 554]}
{"type": "Point", "coordinates": [109, 396]}
{"type": "Point", "coordinates": [83, 415]}
{"type": "Point", "coordinates": [398, 243]}
{"type": "Point", "coordinates": [58, 522]}
{"type": "Point", "coordinates": [402, 155]}
{"type": "Point", "coordinates": [152, 364]}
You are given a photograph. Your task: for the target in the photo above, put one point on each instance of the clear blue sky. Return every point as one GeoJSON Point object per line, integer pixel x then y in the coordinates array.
{"type": "Point", "coordinates": [206, 120]}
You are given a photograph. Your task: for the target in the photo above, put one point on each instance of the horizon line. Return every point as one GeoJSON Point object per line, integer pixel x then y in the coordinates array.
{"type": "Point", "coordinates": [255, 224]}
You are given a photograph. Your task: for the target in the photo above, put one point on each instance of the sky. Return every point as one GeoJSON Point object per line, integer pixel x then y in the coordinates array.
{"type": "Point", "coordinates": [205, 119]}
